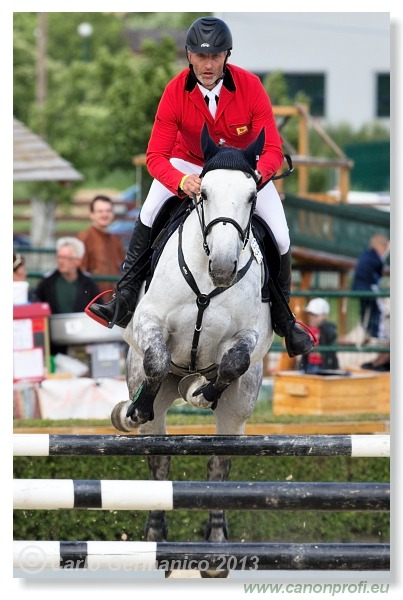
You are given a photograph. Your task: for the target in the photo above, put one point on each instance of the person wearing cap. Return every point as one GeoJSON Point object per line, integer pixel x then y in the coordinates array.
{"type": "Point", "coordinates": [20, 274]}
{"type": "Point", "coordinates": [325, 331]}
{"type": "Point", "coordinates": [236, 107]}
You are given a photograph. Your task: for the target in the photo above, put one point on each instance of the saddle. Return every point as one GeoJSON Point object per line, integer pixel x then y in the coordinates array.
{"type": "Point", "coordinates": [175, 211]}
{"type": "Point", "coordinates": [167, 221]}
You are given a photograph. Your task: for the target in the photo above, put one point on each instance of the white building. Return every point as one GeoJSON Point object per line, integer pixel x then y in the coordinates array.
{"type": "Point", "coordinates": [341, 60]}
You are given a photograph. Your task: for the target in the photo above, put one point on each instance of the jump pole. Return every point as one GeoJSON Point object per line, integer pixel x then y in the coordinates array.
{"type": "Point", "coordinates": [48, 494]}
{"type": "Point", "coordinates": [192, 445]}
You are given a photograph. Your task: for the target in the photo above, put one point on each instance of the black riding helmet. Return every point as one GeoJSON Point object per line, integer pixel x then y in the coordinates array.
{"type": "Point", "coordinates": [209, 35]}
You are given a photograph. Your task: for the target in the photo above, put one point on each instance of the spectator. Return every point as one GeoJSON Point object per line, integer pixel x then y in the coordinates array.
{"type": "Point", "coordinates": [20, 274]}
{"type": "Point", "coordinates": [67, 288]}
{"type": "Point", "coordinates": [367, 274]}
{"type": "Point", "coordinates": [325, 331]}
{"type": "Point", "coordinates": [380, 363]}
{"type": "Point", "coordinates": [104, 251]}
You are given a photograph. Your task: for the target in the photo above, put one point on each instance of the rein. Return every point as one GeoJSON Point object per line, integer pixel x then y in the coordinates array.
{"type": "Point", "coordinates": [203, 300]}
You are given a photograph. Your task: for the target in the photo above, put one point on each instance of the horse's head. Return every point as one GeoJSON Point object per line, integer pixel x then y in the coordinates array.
{"type": "Point", "coordinates": [228, 195]}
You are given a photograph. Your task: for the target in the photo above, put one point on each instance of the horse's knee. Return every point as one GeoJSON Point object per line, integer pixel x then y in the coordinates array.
{"type": "Point", "coordinates": [235, 362]}
{"type": "Point", "coordinates": [156, 362]}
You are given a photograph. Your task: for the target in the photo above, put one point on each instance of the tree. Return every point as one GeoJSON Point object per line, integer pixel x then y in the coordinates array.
{"type": "Point", "coordinates": [97, 113]}
{"type": "Point", "coordinates": [100, 114]}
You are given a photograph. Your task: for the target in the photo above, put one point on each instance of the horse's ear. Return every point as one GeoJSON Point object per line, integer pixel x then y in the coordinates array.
{"type": "Point", "coordinates": [208, 145]}
{"type": "Point", "coordinates": [254, 150]}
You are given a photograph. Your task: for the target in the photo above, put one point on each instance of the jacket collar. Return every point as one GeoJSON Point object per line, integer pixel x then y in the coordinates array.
{"type": "Point", "coordinates": [228, 81]}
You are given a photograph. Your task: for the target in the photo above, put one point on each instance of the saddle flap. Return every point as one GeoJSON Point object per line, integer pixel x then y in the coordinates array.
{"type": "Point", "coordinates": [268, 245]}
{"type": "Point", "coordinates": [168, 219]}
{"type": "Point", "coordinates": [168, 211]}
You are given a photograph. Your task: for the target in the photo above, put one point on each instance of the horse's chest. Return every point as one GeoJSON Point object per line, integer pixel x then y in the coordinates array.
{"type": "Point", "coordinates": [183, 321]}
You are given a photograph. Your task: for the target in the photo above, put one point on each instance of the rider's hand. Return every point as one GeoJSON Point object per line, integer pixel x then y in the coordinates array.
{"type": "Point", "coordinates": [191, 184]}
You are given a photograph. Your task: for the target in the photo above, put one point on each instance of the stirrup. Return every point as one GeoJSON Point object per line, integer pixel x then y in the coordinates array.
{"type": "Point", "coordinates": [296, 348]}
{"type": "Point", "coordinates": [89, 313]}
{"type": "Point", "coordinates": [309, 331]}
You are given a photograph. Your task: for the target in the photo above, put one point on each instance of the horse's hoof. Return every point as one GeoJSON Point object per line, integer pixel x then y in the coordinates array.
{"type": "Point", "coordinates": [188, 385]}
{"type": "Point", "coordinates": [137, 416]}
{"type": "Point", "coordinates": [214, 574]}
{"type": "Point", "coordinates": [119, 419]}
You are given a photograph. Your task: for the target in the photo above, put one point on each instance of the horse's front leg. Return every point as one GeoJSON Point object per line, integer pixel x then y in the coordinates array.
{"type": "Point", "coordinates": [235, 362]}
{"type": "Point", "coordinates": [143, 387]}
{"type": "Point", "coordinates": [156, 360]}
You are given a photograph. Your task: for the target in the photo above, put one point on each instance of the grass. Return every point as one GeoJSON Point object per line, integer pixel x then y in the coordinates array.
{"type": "Point", "coordinates": [262, 414]}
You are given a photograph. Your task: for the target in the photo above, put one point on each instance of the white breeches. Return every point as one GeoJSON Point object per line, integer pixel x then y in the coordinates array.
{"type": "Point", "coordinates": [268, 206]}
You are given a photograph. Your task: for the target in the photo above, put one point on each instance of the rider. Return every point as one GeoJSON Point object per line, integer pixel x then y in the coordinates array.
{"type": "Point", "coordinates": [236, 107]}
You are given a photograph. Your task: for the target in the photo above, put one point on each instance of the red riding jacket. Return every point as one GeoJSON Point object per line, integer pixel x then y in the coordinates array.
{"type": "Point", "coordinates": [243, 109]}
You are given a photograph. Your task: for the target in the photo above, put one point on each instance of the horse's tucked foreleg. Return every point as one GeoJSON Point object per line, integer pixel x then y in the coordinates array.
{"type": "Point", "coordinates": [156, 363]}
{"type": "Point", "coordinates": [234, 363]}
{"type": "Point", "coordinates": [141, 407]}
{"type": "Point", "coordinates": [147, 365]}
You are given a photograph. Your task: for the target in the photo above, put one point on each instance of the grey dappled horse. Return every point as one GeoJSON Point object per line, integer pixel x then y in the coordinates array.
{"type": "Point", "coordinates": [201, 330]}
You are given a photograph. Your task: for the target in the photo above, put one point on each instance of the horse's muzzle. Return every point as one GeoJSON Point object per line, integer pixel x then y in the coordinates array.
{"type": "Point", "coordinates": [222, 277]}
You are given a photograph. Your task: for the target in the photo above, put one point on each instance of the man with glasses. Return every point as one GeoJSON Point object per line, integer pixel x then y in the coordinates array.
{"type": "Point", "coordinates": [67, 289]}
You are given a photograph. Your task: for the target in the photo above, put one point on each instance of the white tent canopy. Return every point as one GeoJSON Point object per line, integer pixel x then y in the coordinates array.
{"type": "Point", "coordinates": [34, 159]}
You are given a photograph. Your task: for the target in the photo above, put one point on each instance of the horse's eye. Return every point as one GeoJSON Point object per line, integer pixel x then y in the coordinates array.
{"type": "Point", "coordinates": [203, 195]}
{"type": "Point", "coordinates": [252, 198]}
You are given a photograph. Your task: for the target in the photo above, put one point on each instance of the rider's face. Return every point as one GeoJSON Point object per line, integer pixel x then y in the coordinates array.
{"type": "Point", "coordinates": [207, 67]}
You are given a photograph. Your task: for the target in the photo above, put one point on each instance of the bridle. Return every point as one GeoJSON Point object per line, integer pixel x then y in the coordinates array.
{"type": "Point", "coordinates": [203, 300]}
{"type": "Point", "coordinates": [205, 229]}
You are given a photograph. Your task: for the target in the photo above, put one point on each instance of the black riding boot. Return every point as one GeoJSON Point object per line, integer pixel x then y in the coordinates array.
{"type": "Point", "coordinates": [128, 288]}
{"type": "Point", "coordinates": [297, 340]}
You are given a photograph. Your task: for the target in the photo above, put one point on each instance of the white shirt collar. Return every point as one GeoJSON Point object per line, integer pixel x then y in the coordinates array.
{"type": "Point", "coordinates": [211, 93]}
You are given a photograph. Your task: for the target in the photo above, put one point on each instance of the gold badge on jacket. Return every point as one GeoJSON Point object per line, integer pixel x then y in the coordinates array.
{"type": "Point", "coordinates": [242, 130]}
